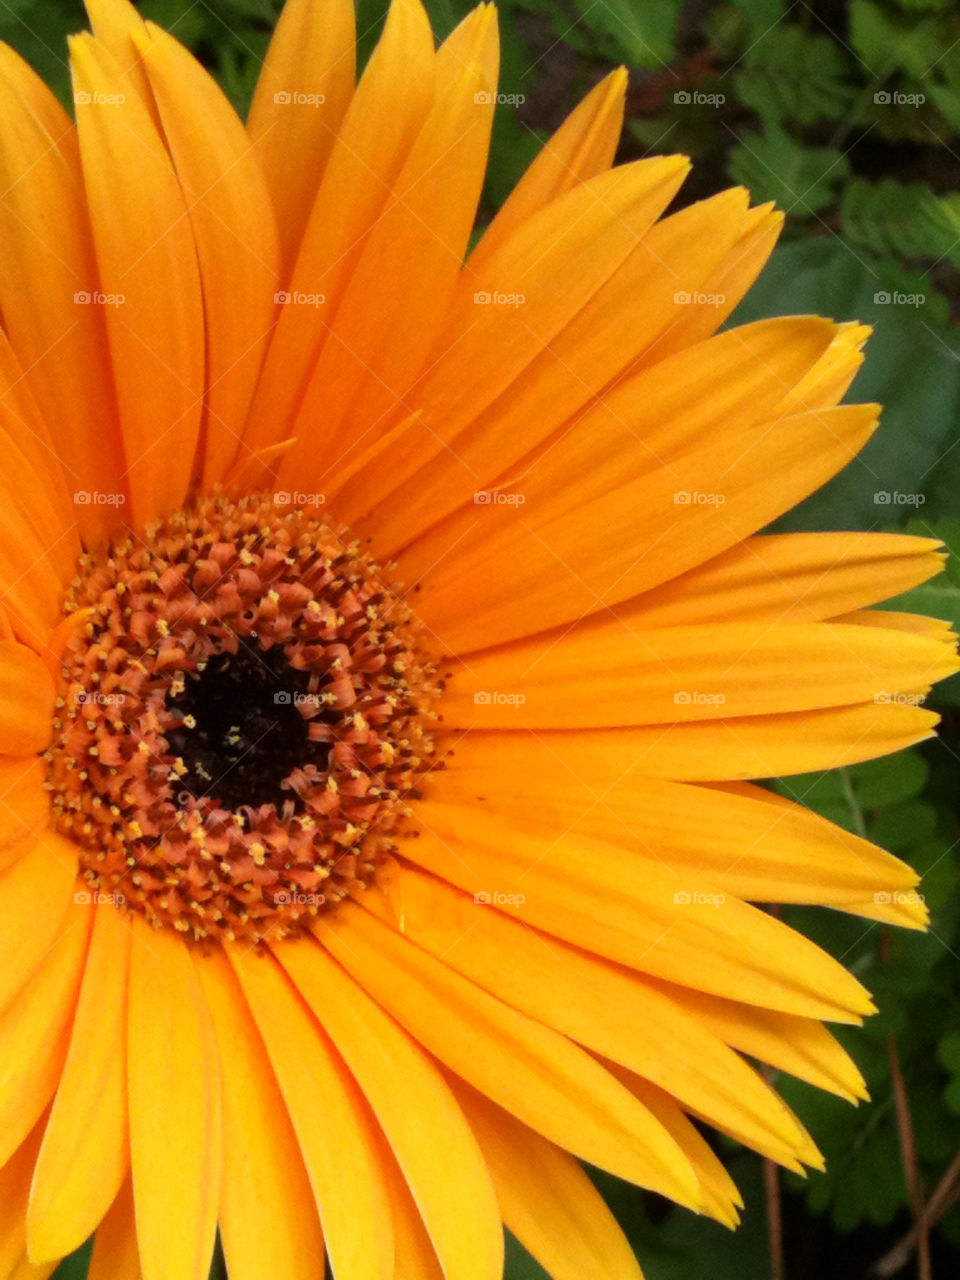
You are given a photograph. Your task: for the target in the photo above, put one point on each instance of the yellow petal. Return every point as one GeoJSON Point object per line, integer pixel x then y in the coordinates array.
{"type": "Point", "coordinates": [234, 230]}
{"type": "Point", "coordinates": [305, 84]}
{"type": "Point", "coordinates": [721, 1197]}
{"type": "Point", "coordinates": [336, 1133]}
{"type": "Point", "coordinates": [268, 1220]}
{"type": "Point", "coordinates": [801, 1046]}
{"type": "Point", "coordinates": [609, 1010]}
{"type": "Point", "coordinates": [148, 269]}
{"type": "Point", "coordinates": [115, 1254]}
{"type": "Point", "coordinates": [533, 1072]}
{"type": "Point", "coordinates": [45, 875]}
{"type": "Point", "coordinates": [175, 1149]}
{"type": "Point", "coordinates": [85, 1156]}
{"type": "Point", "coordinates": [421, 1120]}
{"type": "Point", "coordinates": [59, 340]}
{"type": "Point", "coordinates": [605, 676]}
{"type": "Point", "coordinates": [368, 154]}
{"type": "Point", "coordinates": [15, 1177]}
{"type": "Point", "coordinates": [634, 911]}
{"type": "Point", "coordinates": [582, 147]}
{"type": "Point", "coordinates": [35, 1031]}
{"type": "Point", "coordinates": [547, 1200]}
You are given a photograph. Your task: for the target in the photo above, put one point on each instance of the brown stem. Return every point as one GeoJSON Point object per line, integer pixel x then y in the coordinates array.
{"type": "Point", "coordinates": [943, 1198]}
{"type": "Point", "coordinates": [908, 1148]}
{"type": "Point", "coordinates": [771, 1178]}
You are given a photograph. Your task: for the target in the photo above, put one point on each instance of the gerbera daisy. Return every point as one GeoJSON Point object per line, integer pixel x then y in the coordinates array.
{"type": "Point", "coordinates": [388, 658]}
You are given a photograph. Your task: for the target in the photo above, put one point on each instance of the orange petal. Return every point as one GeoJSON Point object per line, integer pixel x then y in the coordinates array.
{"type": "Point", "coordinates": [533, 1072]}
{"type": "Point", "coordinates": [305, 84]}
{"type": "Point", "coordinates": [422, 1122]}
{"type": "Point", "coordinates": [367, 157]}
{"type": "Point", "coordinates": [547, 1200]}
{"type": "Point", "coordinates": [582, 147]}
{"type": "Point", "coordinates": [175, 1149]}
{"type": "Point", "coordinates": [390, 315]}
{"type": "Point", "coordinates": [268, 1220]}
{"type": "Point", "coordinates": [336, 1133]}
{"type": "Point", "coordinates": [115, 1253]}
{"type": "Point", "coordinates": [35, 1031]}
{"type": "Point", "coordinates": [148, 272]}
{"type": "Point", "coordinates": [636, 912]}
{"type": "Point", "coordinates": [605, 675]}
{"type": "Point", "coordinates": [234, 229]}
{"type": "Point", "coordinates": [26, 700]}
{"type": "Point", "coordinates": [85, 1156]}
{"type": "Point", "coordinates": [24, 806]}
{"type": "Point", "coordinates": [47, 282]}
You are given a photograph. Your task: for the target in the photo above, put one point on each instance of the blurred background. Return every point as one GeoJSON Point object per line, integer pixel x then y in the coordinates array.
{"type": "Point", "coordinates": [848, 116]}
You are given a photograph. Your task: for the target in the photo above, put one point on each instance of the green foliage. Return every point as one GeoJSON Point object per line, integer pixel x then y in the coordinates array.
{"type": "Point", "coordinates": [773, 167]}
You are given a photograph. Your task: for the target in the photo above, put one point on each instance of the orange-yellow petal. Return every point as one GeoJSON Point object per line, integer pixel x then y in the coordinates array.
{"type": "Point", "coordinates": [175, 1149]}
{"type": "Point", "coordinates": [303, 90]}
{"type": "Point", "coordinates": [422, 1122]}
{"type": "Point", "coordinates": [268, 1220]}
{"type": "Point", "coordinates": [84, 1157]}
{"type": "Point", "coordinates": [337, 1134]}
{"type": "Point", "coordinates": [148, 274]}
{"type": "Point", "coordinates": [538, 1075]}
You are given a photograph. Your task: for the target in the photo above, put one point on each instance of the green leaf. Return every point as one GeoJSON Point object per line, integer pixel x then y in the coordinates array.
{"type": "Point", "coordinates": [642, 32]}
{"type": "Point", "coordinates": [774, 167]}
{"type": "Point", "coordinates": [790, 74]}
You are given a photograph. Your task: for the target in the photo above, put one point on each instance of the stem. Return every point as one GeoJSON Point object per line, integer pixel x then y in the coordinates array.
{"type": "Point", "coordinates": [911, 1170]}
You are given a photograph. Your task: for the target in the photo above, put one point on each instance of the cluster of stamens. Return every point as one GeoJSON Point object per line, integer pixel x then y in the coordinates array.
{"type": "Point", "coordinates": [244, 716]}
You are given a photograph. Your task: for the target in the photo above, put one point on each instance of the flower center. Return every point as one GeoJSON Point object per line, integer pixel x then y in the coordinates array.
{"type": "Point", "coordinates": [244, 711]}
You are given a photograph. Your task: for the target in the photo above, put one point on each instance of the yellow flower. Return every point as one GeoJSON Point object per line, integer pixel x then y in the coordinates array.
{"type": "Point", "coordinates": [387, 644]}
